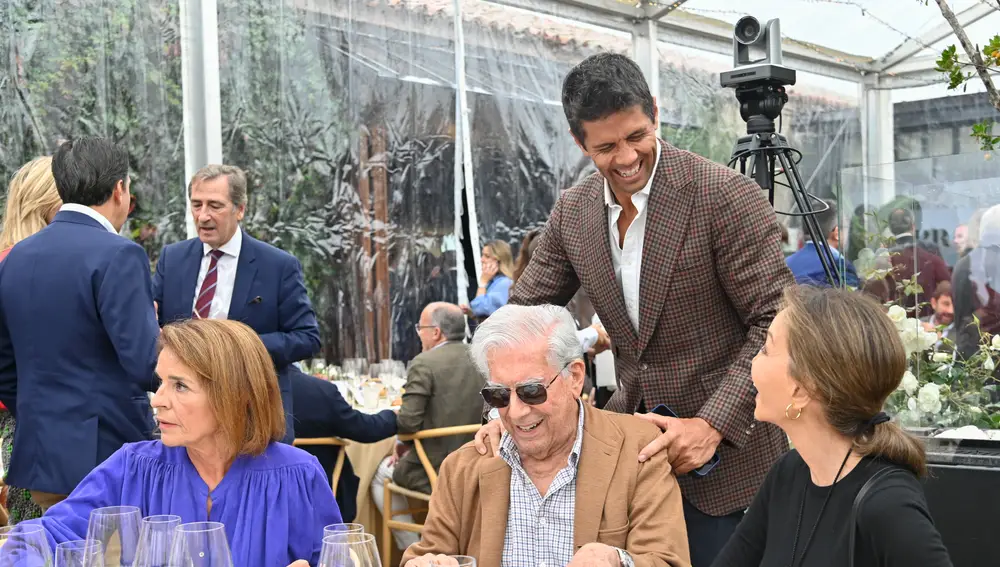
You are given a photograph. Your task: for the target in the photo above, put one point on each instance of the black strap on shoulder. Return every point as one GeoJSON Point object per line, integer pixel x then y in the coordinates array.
{"type": "Point", "coordinates": [858, 500]}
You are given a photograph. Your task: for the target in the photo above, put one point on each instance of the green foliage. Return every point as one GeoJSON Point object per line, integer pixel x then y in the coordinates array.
{"type": "Point", "coordinates": [959, 74]}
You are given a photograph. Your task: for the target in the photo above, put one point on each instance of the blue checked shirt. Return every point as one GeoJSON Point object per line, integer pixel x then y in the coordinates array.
{"type": "Point", "coordinates": [540, 528]}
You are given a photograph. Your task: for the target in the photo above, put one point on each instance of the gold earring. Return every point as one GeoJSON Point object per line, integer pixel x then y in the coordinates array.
{"type": "Point", "coordinates": [797, 415]}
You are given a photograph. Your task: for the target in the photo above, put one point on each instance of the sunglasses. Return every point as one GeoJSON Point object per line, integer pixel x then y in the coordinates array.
{"type": "Point", "coordinates": [533, 393]}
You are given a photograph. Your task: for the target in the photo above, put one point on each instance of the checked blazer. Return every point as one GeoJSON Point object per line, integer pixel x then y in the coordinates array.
{"type": "Point", "coordinates": [711, 282]}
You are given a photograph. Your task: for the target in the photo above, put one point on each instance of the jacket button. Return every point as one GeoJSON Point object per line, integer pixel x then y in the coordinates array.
{"type": "Point", "coordinates": [644, 366]}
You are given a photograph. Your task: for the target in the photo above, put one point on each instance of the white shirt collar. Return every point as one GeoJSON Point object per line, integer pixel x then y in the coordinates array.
{"type": "Point", "coordinates": [231, 248]}
{"type": "Point", "coordinates": [84, 210]}
{"type": "Point", "coordinates": [643, 194]}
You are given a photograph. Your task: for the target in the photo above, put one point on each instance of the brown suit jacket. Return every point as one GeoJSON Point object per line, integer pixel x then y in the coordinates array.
{"type": "Point", "coordinates": [711, 282]}
{"type": "Point", "coordinates": [619, 501]}
{"type": "Point", "coordinates": [442, 390]}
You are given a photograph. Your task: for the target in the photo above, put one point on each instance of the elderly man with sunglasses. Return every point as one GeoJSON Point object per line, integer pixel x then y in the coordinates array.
{"type": "Point", "coordinates": [568, 487]}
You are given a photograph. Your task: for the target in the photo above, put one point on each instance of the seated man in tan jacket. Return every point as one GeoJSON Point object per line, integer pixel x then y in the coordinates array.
{"type": "Point", "coordinates": [568, 487]}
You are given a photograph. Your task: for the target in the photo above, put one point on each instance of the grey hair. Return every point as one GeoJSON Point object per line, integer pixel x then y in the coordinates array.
{"type": "Point", "coordinates": [237, 180]}
{"type": "Point", "coordinates": [518, 325]}
{"type": "Point", "coordinates": [451, 321]}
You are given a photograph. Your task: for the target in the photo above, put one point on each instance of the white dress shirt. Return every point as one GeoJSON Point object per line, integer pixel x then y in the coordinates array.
{"type": "Point", "coordinates": [226, 268]}
{"type": "Point", "coordinates": [84, 210]}
{"type": "Point", "coordinates": [627, 259]}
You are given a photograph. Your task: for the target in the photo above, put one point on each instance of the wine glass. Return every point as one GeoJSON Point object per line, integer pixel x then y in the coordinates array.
{"type": "Point", "coordinates": [349, 550]}
{"type": "Point", "coordinates": [334, 529]}
{"type": "Point", "coordinates": [156, 534]}
{"type": "Point", "coordinates": [201, 544]}
{"type": "Point", "coordinates": [79, 553]}
{"type": "Point", "coordinates": [461, 561]}
{"type": "Point", "coordinates": [117, 528]}
{"type": "Point", "coordinates": [24, 544]}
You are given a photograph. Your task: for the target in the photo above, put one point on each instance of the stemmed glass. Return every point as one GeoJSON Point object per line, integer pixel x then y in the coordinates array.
{"type": "Point", "coordinates": [24, 544]}
{"type": "Point", "coordinates": [349, 550]}
{"type": "Point", "coordinates": [201, 544]}
{"type": "Point", "coordinates": [117, 528]}
{"type": "Point", "coordinates": [79, 553]}
{"type": "Point", "coordinates": [156, 534]}
{"type": "Point", "coordinates": [334, 529]}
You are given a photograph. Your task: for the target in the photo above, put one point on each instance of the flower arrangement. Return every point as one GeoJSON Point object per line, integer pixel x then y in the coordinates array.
{"type": "Point", "coordinates": [941, 389]}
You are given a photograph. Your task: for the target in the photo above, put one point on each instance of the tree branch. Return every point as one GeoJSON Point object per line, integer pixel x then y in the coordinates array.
{"type": "Point", "coordinates": [974, 56]}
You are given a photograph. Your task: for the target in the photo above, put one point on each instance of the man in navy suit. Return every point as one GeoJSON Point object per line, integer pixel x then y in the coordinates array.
{"type": "Point", "coordinates": [227, 274]}
{"type": "Point", "coordinates": [320, 411]}
{"type": "Point", "coordinates": [77, 329]}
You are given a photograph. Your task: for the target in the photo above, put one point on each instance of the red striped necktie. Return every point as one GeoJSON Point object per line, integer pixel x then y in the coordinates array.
{"type": "Point", "coordinates": [203, 306]}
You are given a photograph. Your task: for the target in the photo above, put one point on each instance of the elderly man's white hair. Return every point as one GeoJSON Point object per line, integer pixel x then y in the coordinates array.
{"type": "Point", "coordinates": [513, 326]}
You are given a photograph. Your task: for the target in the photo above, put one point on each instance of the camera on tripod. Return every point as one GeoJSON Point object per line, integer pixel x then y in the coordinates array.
{"type": "Point", "coordinates": [760, 83]}
{"type": "Point", "coordinates": [761, 154]}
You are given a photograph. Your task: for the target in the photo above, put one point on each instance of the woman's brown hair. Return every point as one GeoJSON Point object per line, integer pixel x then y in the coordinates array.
{"type": "Point", "coordinates": [847, 353]}
{"type": "Point", "coordinates": [31, 197]}
{"type": "Point", "coordinates": [505, 258]}
{"type": "Point", "coordinates": [238, 376]}
{"type": "Point", "coordinates": [525, 252]}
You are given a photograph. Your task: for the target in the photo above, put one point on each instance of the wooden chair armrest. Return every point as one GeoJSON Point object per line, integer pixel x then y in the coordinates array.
{"type": "Point", "coordinates": [321, 441]}
{"type": "Point", "coordinates": [408, 493]}
{"type": "Point", "coordinates": [440, 432]}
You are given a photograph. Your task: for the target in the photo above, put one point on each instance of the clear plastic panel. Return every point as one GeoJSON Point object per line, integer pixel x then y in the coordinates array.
{"type": "Point", "coordinates": [108, 68]}
{"type": "Point", "coordinates": [342, 113]}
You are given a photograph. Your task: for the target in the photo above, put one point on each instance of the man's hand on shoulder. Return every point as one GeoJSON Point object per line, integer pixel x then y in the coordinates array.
{"type": "Point", "coordinates": [432, 559]}
{"type": "Point", "coordinates": [596, 555]}
{"type": "Point", "coordinates": [689, 442]}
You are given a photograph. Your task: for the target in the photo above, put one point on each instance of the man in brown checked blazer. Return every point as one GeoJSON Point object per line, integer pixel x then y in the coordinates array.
{"type": "Point", "coordinates": [681, 258]}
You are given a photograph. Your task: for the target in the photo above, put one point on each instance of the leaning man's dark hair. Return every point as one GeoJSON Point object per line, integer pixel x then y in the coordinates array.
{"type": "Point", "coordinates": [601, 85]}
{"type": "Point", "coordinates": [86, 170]}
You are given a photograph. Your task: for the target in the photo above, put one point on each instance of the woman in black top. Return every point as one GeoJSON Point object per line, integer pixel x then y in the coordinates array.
{"type": "Point", "coordinates": [831, 359]}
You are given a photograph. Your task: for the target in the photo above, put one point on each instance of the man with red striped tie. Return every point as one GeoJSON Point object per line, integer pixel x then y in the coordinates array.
{"type": "Point", "coordinates": [225, 273]}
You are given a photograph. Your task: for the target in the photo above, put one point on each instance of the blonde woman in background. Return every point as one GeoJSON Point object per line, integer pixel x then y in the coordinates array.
{"type": "Point", "coordinates": [495, 281]}
{"type": "Point", "coordinates": [32, 203]}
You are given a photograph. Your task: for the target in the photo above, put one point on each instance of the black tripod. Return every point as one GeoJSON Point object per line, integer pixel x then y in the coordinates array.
{"type": "Point", "coordinates": [765, 149]}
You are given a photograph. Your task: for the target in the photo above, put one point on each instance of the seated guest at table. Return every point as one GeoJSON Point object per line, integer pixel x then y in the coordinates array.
{"type": "Point", "coordinates": [805, 264]}
{"type": "Point", "coordinates": [442, 390]}
{"type": "Point", "coordinates": [321, 411]}
{"type": "Point", "coordinates": [218, 458]}
{"type": "Point", "coordinates": [830, 361]}
{"type": "Point", "coordinates": [568, 487]}
{"type": "Point", "coordinates": [494, 282]}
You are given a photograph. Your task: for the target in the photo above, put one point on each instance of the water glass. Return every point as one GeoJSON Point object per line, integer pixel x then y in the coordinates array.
{"type": "Point", "coordinates": [334, 529]}
{"type": "Point", "coordinates": [371, 393]}
{"type": "Point", "coordinates": [349, 550]}
{"type": "Point", "coordinates": [79, 553]}
{"type": "Point", "coordinates": [24, 545]}
{"type": "Point", "coordinates": [201, 544]}
{"type": "Point", "coordinates": [156, 534]}
{"type": "Point", "coordinates": [117, 528]}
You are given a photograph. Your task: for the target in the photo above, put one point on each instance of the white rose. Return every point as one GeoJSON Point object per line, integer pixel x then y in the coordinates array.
{"type": "Point", "coordinates": [975, 410]}
{"type": "Point", "coordinates": [914, 338]}
{"type": "Point", "coordinates": [898, 315]}
{"type": "Point", "coordinates": [911, 405]}
{"type": "Point", "coordinates": [941, 357]}
{"type": "Point", "coordinates": [988, 364]}
{"type": "Point", "coordinates": [909, 383]}
{"type": "Point", "coordinates": [929, 398]}
{"type": "Point", "coordinates": [995, 342]}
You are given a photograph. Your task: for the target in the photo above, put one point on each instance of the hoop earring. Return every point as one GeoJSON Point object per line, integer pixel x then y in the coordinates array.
{"type": "Point", "coordinates": [797, 415]}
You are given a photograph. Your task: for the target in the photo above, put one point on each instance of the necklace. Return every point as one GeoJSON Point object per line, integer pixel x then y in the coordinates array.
{"type": "Point", "coordinates": [802, 509]}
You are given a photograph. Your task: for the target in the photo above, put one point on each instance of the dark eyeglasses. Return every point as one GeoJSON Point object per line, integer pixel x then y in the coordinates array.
{"type": "Point", "coordinates": [533, 393]}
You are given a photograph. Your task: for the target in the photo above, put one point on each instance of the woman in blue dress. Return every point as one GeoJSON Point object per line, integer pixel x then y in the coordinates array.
{"type": "Point", "coordinates": [218, 458]}
{"type": "Point", "coordinates": [495, 281]}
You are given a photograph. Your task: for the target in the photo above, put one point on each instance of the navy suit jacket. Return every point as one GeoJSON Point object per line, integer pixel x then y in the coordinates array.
{"type": "Point", "coordinates": [320, 411]}
{"type": "Point", "coordinates": [269, 295]}
{"type": "Point", "coordinates": [77, 350]}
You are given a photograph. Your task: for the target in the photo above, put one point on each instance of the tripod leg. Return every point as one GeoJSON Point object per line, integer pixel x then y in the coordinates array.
{"type": "Point", "coordinates": [802, 199]}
